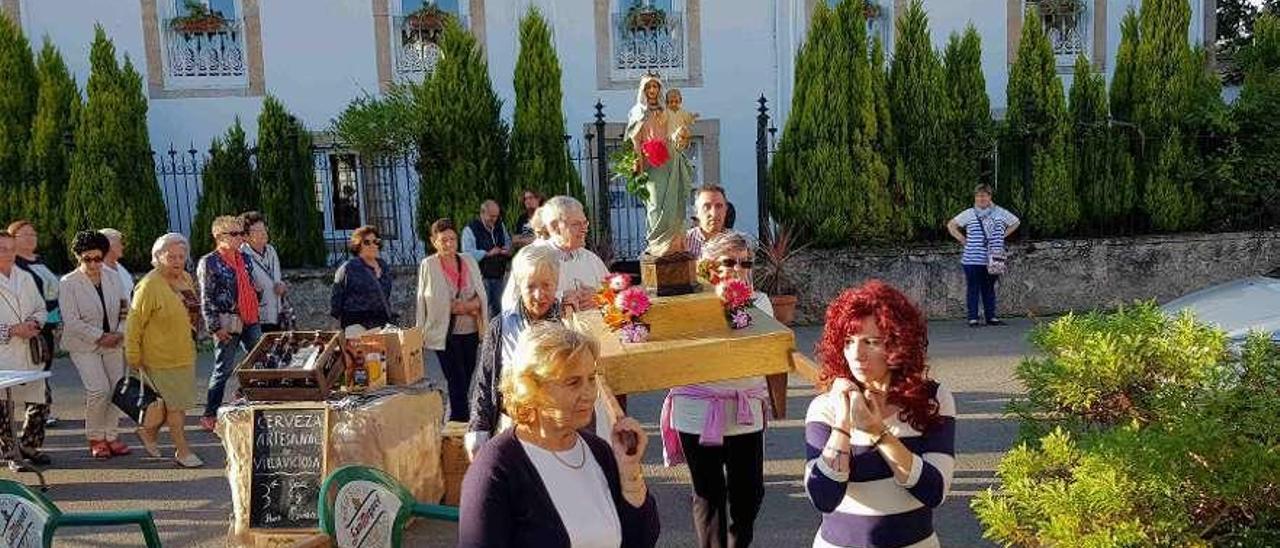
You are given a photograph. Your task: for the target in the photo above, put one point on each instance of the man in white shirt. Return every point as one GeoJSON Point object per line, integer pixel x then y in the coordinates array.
{"type": "Point", "coordinates": [111, 262]}
{"type": "Point", "coordinates": [581, 271]}
{"type": "Point", "coordinates": [711, 207]}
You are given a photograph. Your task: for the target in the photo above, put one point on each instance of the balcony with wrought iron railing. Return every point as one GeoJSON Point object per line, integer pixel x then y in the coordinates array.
{"type": "Point", "coordinates": [415, 44]}
{"type": "Point", "coordinates": [209, 57]}
{"type": "Point", "coordinates": [650, 41]}
{"type": "Point", "coordinates": [1065, 22]}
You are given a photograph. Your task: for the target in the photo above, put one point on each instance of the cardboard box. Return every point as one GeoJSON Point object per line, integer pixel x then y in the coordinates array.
{"type": "Point", "coordinates": [453, 461]}
{"type": "Point", "coordinates": [401, 350]}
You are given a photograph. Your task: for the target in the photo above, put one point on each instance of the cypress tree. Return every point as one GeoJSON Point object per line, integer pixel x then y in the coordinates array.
{"type": "Point", "coordinates": [1037, 116]}
{"type": "Point", "coordinates": [227, 185]}
{"type": "Point", "coordinates": [1122, 82]}
{"type": "Point", "coordinates": [1099, 162]}
{"type": "Point", "coordinates": [286, 180]}
{"type": "Point", "coordinates": [147, 217]}
{"type": "Point", "coordinates": [539, 153]}
{"type": "Point", "coordinates": [969, 117]}
{"type": "Point", "coordinates": [462, 159]}
{"type": "Point", "coordinates": [919, 106]}
{"type": "Point", "coordinates": [1257, 114]}
{"type": "Point", "coordinates": [57, 109]}
{"type": "Point", "coordinates": [18, 90]}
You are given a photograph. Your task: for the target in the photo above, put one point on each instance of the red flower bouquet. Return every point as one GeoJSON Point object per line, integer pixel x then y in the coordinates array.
{"type": "Point", "coordinates": [655, 152]}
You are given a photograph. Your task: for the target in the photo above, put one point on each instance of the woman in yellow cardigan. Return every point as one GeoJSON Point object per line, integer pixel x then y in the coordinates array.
{"type": "Point", "coordinates": [160, 341]}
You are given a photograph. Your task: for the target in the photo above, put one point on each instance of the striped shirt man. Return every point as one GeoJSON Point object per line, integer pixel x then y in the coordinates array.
{"type": "Point", "coordinates": [867, 505]}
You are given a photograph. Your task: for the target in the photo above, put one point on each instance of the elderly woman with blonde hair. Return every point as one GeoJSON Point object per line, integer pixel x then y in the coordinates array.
{"type": "Point", "coordinates": [160, 341]}
{"type": "Point", "coordinates": [545, 483]}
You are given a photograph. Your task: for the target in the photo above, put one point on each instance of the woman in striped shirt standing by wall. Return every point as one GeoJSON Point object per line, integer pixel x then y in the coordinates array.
{"type": "Point", "coordinates": [880, 436]}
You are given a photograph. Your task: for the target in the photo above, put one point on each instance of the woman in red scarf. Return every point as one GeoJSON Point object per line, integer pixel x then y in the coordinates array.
{"type": "Point", "coordinates": [452, 311]}
{"type": "Point", "coordinates": [229, 306]}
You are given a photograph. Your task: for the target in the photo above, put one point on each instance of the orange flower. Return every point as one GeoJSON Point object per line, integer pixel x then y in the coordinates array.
{"type": "Point", "coordinates": [605, 297]}
{"type": "Point", "coordinates": [615, 318]}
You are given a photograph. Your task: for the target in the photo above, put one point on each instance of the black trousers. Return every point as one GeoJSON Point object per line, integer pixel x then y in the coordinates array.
{"type": "Point", "coordinates": [729, 477]}
{"type": "Point", "coordinates": [32, 437]}
{"type": "Point", "coordinates": [458, 362]}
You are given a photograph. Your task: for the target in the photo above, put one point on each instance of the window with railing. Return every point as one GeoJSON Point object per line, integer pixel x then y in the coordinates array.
{"type": "Point", "coordinates": [1067, 24]}
{"type": "Point", "coordinates": [649, 36]}
{"type": "Point", "coordinates": [203, 44]}
{"type": "Point", "coordinates": [416, 28]}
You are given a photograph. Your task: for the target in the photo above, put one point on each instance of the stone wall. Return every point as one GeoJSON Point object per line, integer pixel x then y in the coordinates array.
{"type": "Point", "coordinates": [1045, 277]}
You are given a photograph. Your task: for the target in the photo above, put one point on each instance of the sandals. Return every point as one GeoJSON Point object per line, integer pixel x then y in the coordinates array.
{"type": "Point", "coordinates": [192, 460]}
{"type": "Point", "coordinates": [149, 442]}
{"type": "Point", "coordinates": [99, 449]}
{"type": "Point", "coordinates": [118, 448]}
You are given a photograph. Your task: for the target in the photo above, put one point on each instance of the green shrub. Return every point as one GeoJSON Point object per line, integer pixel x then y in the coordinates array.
{"type": "Point", "coordinates": [919, 106]}
{"type": "Point", "coordinates": [970, 119]}
{"type": "Point", "coordinates": [379, 127]}
{"type": "Point", "coordinates": [1100, 164]}
{"type": "Point", "coordinates": [1162, 438]}
{"type": "Point", "coordinates": [228, 186]}
{"type": "Point", "coordinates": [539, 153]}
{"type": "Point", "coordinates": [286, 178]}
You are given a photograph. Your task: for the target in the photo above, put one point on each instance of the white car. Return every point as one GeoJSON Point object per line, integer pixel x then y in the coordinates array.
{"type": "Point", "coordinates": [1236, 307]}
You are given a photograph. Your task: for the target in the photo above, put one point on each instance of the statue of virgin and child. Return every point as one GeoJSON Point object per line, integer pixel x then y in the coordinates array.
{"type": "Point", "coordinates": [660, 135]}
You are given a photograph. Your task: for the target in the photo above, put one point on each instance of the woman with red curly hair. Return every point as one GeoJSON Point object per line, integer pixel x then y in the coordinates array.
{"type": "Point", "coordinates": [880, 436]}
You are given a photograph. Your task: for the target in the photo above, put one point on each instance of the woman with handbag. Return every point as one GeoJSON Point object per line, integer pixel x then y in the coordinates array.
{"type": "Point", "coordinates": [361, 297]}
{"type": "Point", "coordinates": [27, 241]}
{"type": "Point", "coordinates": [264, 268]}
{"type": "Point", "coordinates": [22, 314]}
{"type": "Point", "coordinates": [229, 304]}
{"type": "Point", "coordinates": [90, 300]}
{"type": "Point", "coordinates": [452, 311]}
{"type": "Point", "coordinates": [986, 226]}
{"type": "Point", "coordinates": [160, 345]}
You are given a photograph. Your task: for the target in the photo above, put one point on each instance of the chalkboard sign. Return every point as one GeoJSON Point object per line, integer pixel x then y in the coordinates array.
{"type": "Point", "coordinates": [288, 467]}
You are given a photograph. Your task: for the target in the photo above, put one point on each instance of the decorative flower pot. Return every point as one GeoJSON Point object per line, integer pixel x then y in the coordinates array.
{"type": "Point", "coordinates": [430, 21]}
{"type": "Point", "coordinates": [784, 308]}
{"type": "Point", "coordinates": [646, 20]}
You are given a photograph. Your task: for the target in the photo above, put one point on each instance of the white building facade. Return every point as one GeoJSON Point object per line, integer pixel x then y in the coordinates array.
{"type": "Point", "coordinates": [317, 55]}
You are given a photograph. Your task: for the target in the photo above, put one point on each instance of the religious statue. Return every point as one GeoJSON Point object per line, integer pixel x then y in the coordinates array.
{"type": "Point", "coordinates": [657, 141]}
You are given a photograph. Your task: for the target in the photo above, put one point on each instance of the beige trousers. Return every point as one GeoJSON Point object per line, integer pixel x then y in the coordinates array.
{"type": "Point", "coordinates": [100, 373]}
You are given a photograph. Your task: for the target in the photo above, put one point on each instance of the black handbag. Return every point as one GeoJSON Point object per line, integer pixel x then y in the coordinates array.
{"type": "Point", "coordinates": [41, 353]}
{"type": "Point", "coordinates": [133, 394]}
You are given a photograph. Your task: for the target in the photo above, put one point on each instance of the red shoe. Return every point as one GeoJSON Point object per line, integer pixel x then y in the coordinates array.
{"type": "Point", "coordinates": [208, 423]}
{"type": "Point", "coordinates": [99, 449]}
{"type": "Point", "coordinates": [118, 448]}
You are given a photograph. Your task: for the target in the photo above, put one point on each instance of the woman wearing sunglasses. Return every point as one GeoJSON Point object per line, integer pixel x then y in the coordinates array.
{"type": "Point", "coordinates": [229, 304]}
{"type": "Point", "coordinates": [361, 298]}
{"type": "Point", "coordinates": [724, 447]}
{"type": "Point", "coordinates": [93, 335]}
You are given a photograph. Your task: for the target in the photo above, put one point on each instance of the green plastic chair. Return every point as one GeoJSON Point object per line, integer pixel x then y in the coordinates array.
{"type": "Point", "coordinates": [30, 519]}
{"type": "Point", "coordinates": [363, 506]}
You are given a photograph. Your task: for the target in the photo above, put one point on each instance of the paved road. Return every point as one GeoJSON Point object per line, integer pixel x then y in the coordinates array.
{"type": "Point", "coordinates": [193, 507]}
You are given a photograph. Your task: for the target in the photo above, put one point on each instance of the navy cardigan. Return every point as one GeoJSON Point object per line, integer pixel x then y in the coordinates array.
{"type": "Point", "coordinates": [505, 504]}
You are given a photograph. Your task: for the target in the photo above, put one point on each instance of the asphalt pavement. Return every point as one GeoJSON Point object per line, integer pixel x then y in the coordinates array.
{"type": "Point", "coordinates": [193, 507]}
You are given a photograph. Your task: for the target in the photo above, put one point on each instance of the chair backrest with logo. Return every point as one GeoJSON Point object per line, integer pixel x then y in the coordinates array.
{"type": "Point", "coordinates": [366, 507]}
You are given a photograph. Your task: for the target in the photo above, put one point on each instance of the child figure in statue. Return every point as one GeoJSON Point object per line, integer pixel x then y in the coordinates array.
{"type": "Point", "coordinates": [670, 173]}
{"type": "Point", "coordinates": [679, 120]}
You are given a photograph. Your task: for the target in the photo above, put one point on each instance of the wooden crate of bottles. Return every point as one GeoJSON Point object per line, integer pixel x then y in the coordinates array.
{"type": "Point", "coordinates": [292, 366]}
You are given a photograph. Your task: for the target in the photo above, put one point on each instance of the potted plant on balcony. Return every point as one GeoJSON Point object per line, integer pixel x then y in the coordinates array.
{"type": "Point", "coordinates": [870, 9]}
{"type": "Point", "coordinates": [199, 18]}
{"type": "Point", "coordinates": [429, 17]}
{"type": "Point", "coordinates": [778, 251]}
{"type": "Point", "coordinates": [645, 17]}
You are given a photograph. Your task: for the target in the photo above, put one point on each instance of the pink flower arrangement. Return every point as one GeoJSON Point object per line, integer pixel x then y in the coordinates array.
{"type": "Point", "coordinates": [655, 152]}
{"type": "Point", "coordinates": [633, 301]}
{"type": "Point", "coordinates": [735, 295]}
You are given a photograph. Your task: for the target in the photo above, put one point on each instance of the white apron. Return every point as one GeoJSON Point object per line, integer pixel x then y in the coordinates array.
{"type": "Point", "coordinates": [15, 308]}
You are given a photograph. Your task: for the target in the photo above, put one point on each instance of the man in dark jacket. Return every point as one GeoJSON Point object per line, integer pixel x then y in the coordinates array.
{"type": "Point", "coordinates": [486, 240]}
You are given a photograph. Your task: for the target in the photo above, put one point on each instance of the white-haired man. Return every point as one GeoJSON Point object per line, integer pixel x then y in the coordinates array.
{"type": "Point", "coordinates": [581, 271]}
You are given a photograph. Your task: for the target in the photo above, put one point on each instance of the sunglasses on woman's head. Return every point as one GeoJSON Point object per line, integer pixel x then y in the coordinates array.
{"type": "Point", "coordinates": [728, 262]}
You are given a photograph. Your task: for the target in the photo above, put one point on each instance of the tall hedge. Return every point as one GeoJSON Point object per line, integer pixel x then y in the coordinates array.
{"type": "Point", "coordinates": [1257, 114]}
{"type": "Point", "coordinates": [462, 158]}
{"type": "Point", "coordinates": [539, 153]}
{"type": "Point", "coordinates": [57, 109]}
{"type": "Point", "coordinates": [919, 106]}
{"type": "Point", "coordinates": [286, 179]}
{"type": "Point", "coordinates": [1100, 163]}
{"type": "Point", "coordinates": [1122, 81]}
{"type": "Point", "coordinates": [228, 185]}
{"type": "Point", "coordinates": [18, 90]}
{"type": "Point", "coordinates": [969, 117]}
{"type": "Point", "coordinates": [1037, 124]}
{"type": "Point", "coordinates": [828, 181]}
{"type": "Point", "coordinates": [113, 182]}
